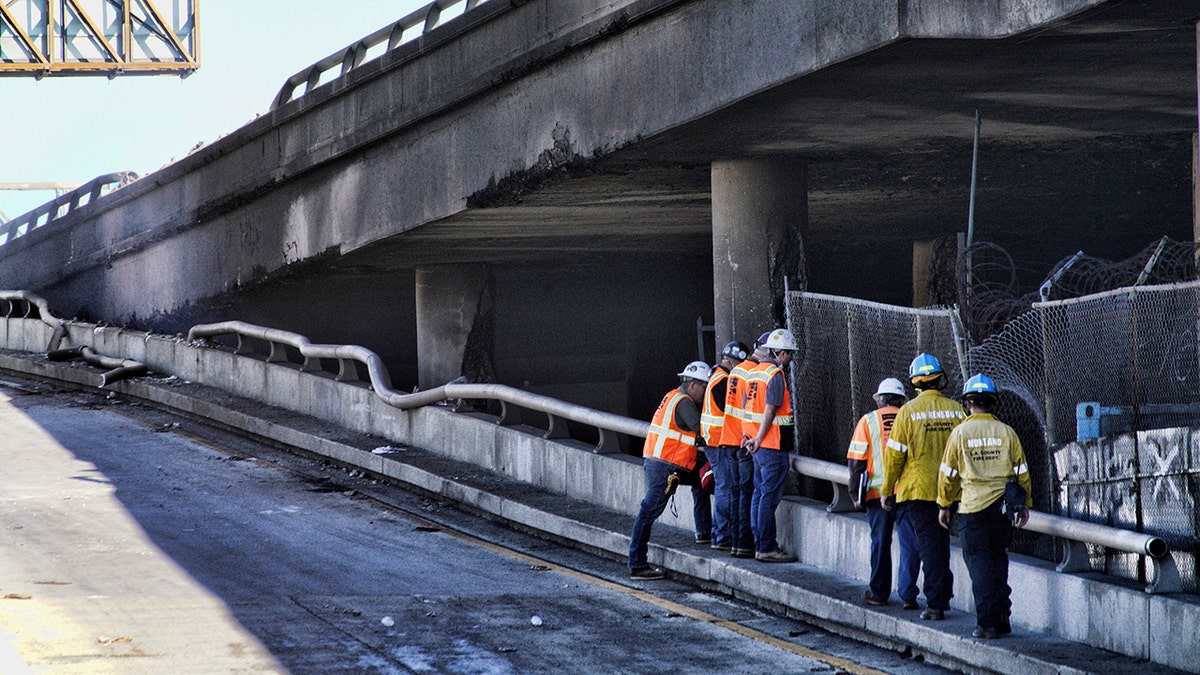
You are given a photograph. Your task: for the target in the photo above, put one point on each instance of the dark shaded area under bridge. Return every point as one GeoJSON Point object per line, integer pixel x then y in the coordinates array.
{"type": "Point", "coordinates": [601, 264]}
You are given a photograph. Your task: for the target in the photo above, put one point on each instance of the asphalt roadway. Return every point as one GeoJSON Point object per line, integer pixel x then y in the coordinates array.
{"type": "Point", "coordinates": [133, 541]}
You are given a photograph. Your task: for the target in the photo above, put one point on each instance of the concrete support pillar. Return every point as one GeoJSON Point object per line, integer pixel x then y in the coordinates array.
{"type": "Point", "coordinates": [448, 302]}
{"type": "Point", "coordinates": [760, 219]}
{"type": "Point", "coordinates": [922, 271]}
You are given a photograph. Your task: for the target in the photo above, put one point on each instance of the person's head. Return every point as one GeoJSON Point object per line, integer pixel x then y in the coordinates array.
{"type": "Point", "coordinates": [925, 372]}
{"type": "Point", "coordinates": [760, 347]}
{"type": "Point", "coordinates": [782, 345]}
{"type": "Point", "coordinates": [733, 354]}
{"type": "Point", "coordinates": [890, 393]}
{"type": "Point", "coordinates": [980, 394]}
{"type": "Point", "coordinates": [693, 380]}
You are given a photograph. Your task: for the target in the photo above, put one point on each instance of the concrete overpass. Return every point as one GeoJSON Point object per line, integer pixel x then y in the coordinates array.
{"type": "Point", "coordinates": [548, 194]}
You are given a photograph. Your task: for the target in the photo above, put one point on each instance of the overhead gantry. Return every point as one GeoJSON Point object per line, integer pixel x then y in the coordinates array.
{"type": "Point", "coordinates": [40, 38]}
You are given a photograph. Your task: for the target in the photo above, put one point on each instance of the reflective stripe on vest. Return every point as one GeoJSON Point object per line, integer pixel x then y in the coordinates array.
{"type": "Point", "coordinates": [875, 429]}
{"type": "Point", "coordinates": [756, 405]}
{"type": "Point", "coordinates": [666, 441]}
{"type": "Point", "coordinates": [735, 394]}
{"type": "Point", "coordinates": [712, 419]}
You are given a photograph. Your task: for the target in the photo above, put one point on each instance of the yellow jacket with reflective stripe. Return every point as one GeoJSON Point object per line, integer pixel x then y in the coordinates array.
{"type": "Point", "coordinates": [870, 437]}
{"type": "Point", "coordinates": [666, 441]}
{"type": "Point", "coordinates": [982, 455]}
{"type": "Point", "coordinates": [916, 445]}
{"type": "Point", "coordinates": [756, 405]}
{"type": "Point", "coordinates": [712, 418]}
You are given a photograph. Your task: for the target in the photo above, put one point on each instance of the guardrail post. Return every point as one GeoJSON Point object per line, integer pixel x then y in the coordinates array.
{"type": "Point", "coordinates": [1075, 557]}
{"type": "Point", "coordinates": [277, 354]}
{"type": "Point", "coordinates": [243, 345]}
{"type": "Point", "coordinates": [842, 503]}
{"type": "Point", "coordinates": [557, 428]}
{"type": "Point", "coordinates": [1166, 576]}
{"type": "Point", "coordinates": [608, 444]}
{"type": "Point", "coordinates": [311, 365]}
{"type": "Point", "coordinates": [346, 371]}
{"type": "Point", "coordinates": [509, 414]}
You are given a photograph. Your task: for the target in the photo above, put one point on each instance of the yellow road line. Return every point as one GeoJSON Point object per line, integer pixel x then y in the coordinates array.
{"type": "Point", "coordinates": [669, 605]}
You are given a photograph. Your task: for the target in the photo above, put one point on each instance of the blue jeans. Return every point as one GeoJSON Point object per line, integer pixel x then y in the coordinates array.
{"type": "Point", "coordinates": [882, 524]}
{"type": "Point", "coordinates": [733, 474]}
{"type": "Point", "coordinates": [743, 488]}
{"type": "Point", "coordinates": [985, 537]}
{"type": "Point", "coordinates": [655, 502]}
{"type": "Point", "coordinates": [933, 541]}
{"type": "Point", "coordinates": [770, 474]}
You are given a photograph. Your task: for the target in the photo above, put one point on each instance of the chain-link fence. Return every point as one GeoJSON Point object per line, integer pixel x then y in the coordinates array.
{"type": "Point", "coordinates": [1103, 391]}
{"type": "Point", "coordinates": [1122, 395]}
{"type": "Point", "coordinates": [847, 347]}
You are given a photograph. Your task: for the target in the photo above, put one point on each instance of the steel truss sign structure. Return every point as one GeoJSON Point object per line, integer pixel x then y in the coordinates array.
{"type": "Point", "coordinates": [99, 37]}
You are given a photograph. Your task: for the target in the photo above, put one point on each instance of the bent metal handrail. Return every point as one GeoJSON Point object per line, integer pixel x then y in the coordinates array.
{"type": "Point", "coordinates": [1075, 534]}
{"type": "Point", "coordinates": [349, 58]}
{"type": "Point", "coordinates": [380, 381]}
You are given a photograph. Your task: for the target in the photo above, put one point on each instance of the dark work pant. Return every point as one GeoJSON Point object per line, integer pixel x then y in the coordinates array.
{"type": "Point", "coordinates": [882, 523]}
{"type": "Point", "coordinates": [985, 537]}
{"type": "Point", "coordinates": [733, 471]}
{"type": "Point", "coordinates": [933, 542]}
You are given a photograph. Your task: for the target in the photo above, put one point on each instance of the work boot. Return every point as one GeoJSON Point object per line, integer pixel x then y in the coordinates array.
{"type": "Point", "coordinates": [911, 603]}
{"type": "Point", "coordinates": [776, 556]}
{"type": "Point", "coordinates": [872, 600]}
{"type": "Point", "coordinates": [647, 574]}
{"type": "Point", "coordinates": [985, 632]}
{"type": "Point", "coordinates": [704, 538]}
{"type": "Point", "coordinates": [742, 552]}
{"type": "Point", "coordinates": [931, 614]}
{"type": "Point", "coordinates": [722, 547]}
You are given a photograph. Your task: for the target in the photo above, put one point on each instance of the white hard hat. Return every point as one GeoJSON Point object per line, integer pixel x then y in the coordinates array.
{"type": "Point", "coordinates": [697, 370]}
{"type": "Point", "coordinates": [781, 338]}
{"type": "Point", "coordinates": [891, 386]}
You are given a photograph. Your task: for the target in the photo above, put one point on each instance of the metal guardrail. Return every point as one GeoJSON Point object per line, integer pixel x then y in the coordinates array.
{"type": "Point", "coordinates": [63, 205]}
{"type": "Point", "coordinates": [1075, 534]}
{"type": "Point", "coordinates": [511, 399]}
{"type": "Point", "coordinates": [345, 60]}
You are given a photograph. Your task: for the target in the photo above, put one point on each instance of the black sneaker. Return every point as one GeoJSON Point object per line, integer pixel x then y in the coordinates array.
{"type": "Point", "coordinates": [704, 539]}
{"type": "Point", "coordinates": [722, 547]}
{"type": "Point", "coordinates": [911, 604]}
{"type": "Point", "coordinates": [985, 633]}
{"type": "Point", "coordinates": [647, 574]}
{"type": "Point", "coordinates": [742, 552]}
{"type": "Point", "coordinates": [872, 600]}
{"type": "Point", "coordinates": [931, 614]}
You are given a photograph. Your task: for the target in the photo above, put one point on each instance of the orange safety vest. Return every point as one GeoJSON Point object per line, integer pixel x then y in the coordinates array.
{"type": "Point", "coordinates": [756, 405]}
{"type": "Point", "coordinates": [735, 391]}
{"type": "Point", "coordinates": [665, 440]}
{"type": "Point", "coordinates": [712, 419]}
{"type": "Point", "coordinates": [867, 444]}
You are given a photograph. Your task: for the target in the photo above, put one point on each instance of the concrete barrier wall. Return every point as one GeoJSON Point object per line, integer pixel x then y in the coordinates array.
{"type": "Point", "coordinates": [1090, 608]}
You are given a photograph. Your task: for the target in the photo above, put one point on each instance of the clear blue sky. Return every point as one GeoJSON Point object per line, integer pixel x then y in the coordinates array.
{"type": "Point", "coordinates": [76, 128]}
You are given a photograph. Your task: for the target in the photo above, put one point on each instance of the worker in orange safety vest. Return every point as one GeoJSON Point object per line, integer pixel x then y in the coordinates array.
{"type": "Point", "coordinates": [670, 456]}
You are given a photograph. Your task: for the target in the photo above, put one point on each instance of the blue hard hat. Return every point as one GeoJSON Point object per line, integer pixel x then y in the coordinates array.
{"type": "Point", "coordinates": [735, 350]}
{"type": "Point", "coordinates": [924, 368]}
{"type": "Point", "coordinates": [980, 385]}
{"type": "Point", "coordinates": [762, 339]}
